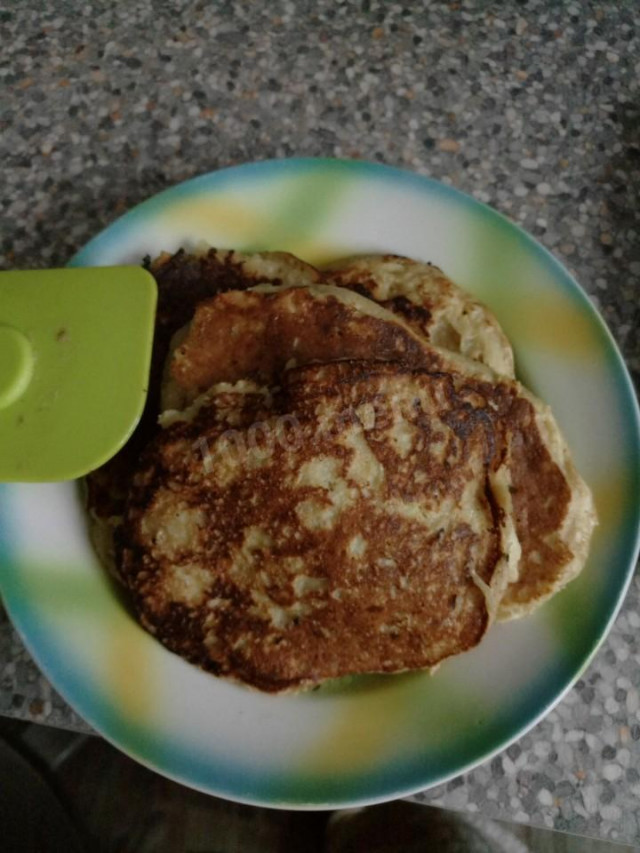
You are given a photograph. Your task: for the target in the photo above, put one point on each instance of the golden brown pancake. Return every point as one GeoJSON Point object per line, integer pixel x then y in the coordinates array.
{"type": "Point", "coordinates": [256, 333]}
{"type": "Point", "coordinates": [352, 520]}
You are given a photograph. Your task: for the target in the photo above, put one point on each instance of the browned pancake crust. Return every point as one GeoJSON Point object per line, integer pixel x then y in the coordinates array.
{"type": "Point", "coordinates": [541, 496]}
{"type": "Point", "coordinates": [540, 491]}
{"type": "Point", "coordinates": [256, 334]}
{"type": "Point", "coordinates": [405, 597]}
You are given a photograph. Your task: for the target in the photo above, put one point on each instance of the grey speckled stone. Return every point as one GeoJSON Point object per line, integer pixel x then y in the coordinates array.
{"type": "Point", "coordinates": [579, 770]}
{"type": "Point", "coordinates": [529, 106]}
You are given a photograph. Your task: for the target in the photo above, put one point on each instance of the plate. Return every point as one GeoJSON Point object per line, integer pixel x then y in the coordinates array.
{"type": "Point", "coordinates": [373, 738]}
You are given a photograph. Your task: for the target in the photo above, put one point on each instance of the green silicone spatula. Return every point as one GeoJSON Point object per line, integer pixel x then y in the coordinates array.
{"type": "Point", "coordinates": [75, 354]}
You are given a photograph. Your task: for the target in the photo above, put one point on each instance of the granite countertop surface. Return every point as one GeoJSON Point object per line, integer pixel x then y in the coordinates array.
{"type": "Point", "coordinates": [533, 107]}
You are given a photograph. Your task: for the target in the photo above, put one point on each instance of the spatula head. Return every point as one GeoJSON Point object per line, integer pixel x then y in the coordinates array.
{"type": "Point", "coordinates": [75, 353]}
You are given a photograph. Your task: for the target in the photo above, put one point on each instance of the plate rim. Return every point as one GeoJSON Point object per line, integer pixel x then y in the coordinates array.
{"type": "Point", "coordinates": [569, 284]}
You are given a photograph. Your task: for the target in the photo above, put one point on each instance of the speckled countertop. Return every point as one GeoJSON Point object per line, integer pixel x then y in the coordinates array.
{"type": "Point", "coordinates": [532, 107]}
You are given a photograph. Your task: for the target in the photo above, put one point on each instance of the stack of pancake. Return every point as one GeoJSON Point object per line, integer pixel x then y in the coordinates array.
{"type": "Point", "coordinates": [336, 473]}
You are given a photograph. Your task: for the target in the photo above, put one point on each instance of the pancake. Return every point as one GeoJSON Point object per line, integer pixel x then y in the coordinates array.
{"type": "Point", "coordinates": [353, 518]}
{"type": "Point", "coordinates": [257, 333]}
{"type": "Point", "coordinates": [550, 506]}
{"type": "Point", "coordinates": [431, 303]}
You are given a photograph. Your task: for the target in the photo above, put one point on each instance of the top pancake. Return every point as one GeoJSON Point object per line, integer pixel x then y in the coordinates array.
{"type": "Point", "coordinates": [356, 518]}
